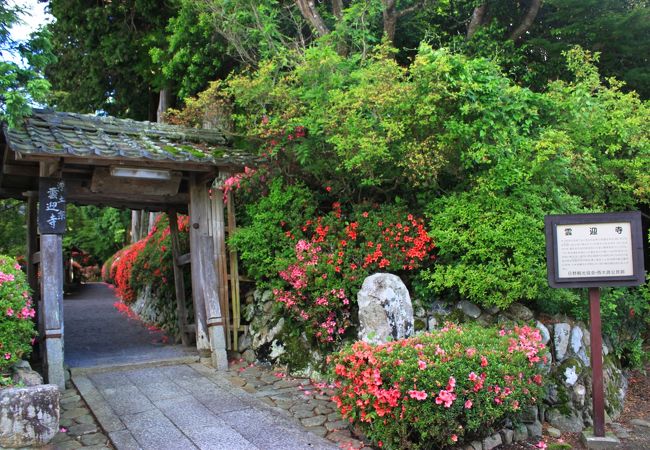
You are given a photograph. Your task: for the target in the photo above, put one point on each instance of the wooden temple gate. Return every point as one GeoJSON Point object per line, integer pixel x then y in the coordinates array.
{"type": "Point", "coordinates": [58, 158]}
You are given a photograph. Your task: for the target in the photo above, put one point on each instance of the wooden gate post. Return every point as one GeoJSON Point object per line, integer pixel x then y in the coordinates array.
{"type": "Point", "coordinates": [51, 225]}
{"type": "Point", "coordinates": [199, 227]}
{"type": "Point", "coordinates": [213, 309]}
{"type": "Point", "coordinates": [52, 313]}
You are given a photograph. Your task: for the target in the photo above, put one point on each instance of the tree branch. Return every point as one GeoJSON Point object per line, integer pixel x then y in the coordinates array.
{"type": "Point", "coordinates": [478, 16]}
{"type": "Point", "coordinates": [391, 15]}
{"type": "Point", "coordinates": [527, 20]}
{"type": "Point", "coordinates": [310, 13]}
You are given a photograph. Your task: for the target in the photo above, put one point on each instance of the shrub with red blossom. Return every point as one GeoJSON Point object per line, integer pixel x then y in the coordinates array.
{"type": "Point", "coordinates": [332, 256]}
{"type": "Point", "coordinates": [438, 389]}
{"type": "Point", "coordinates": [148, 263]}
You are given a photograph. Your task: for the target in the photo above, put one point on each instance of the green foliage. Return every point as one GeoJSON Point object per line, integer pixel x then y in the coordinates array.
{"type": "Point", "coordinates": [618, 30]}
{"type": "Point", "coordinates": [485, 158]}
{"type": "Point", "coordinates": [21, 83]}
{"type": "Point", "coordinates": [195, 54]}
{"type": "Point", "coordinates": [263, 246]}
{"type": "Point", "coordinates": [98, 231]}
{"type": "Point", "coordinates": [625, 320]}
{"type": "Point", "coordinates": [440, 389]}
{"type": "Point", "coordinates": [491, 248]}
{"type": "Point", "coordinates": [12, 227]}
{"type": "Point", "coordinates": [103, 56]}
{"type": "Point", "coordinates": [16, 314]}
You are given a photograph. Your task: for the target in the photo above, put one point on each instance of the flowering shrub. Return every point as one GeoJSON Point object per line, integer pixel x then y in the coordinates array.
{"type": "Point", "coordinates": [16, 314]}
{"type": "Point", "coordinates": [332, 256]}
{"type": "Point", "coordinates": [149, 263]}
{"type": "Point", "coordinates": [438, 389]}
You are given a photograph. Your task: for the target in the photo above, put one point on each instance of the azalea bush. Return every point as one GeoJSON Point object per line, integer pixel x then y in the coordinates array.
{"type": "Point", "coordinates": [333, 254]}
{"type": "Point", "coordinates": [148, 264]}
{"type": "Point", "coordinates": [438, 389]}
{"type": "Point", "coordinates": [16, 314]}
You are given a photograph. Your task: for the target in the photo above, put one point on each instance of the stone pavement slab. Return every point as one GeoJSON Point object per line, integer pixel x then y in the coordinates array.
{"type": "Point", "coordinates": [187, 407]}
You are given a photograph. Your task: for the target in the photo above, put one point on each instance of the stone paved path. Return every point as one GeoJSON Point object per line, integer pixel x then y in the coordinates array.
{"type": "Point", "coordinates": [187, 407]}
{"type": "Point", "coordinates": [96, 333]}
{"type": "Point", "coordinates": [129, 391]}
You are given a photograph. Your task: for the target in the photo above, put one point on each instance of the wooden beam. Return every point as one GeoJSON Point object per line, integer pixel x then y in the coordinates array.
{"type": "Point", "coordinates": [104, 183]}
{"type": "Point", "coordinates": [188, 166]}
{"type": "Point", "coordinates": [204, 278]}
{"type": "Point", "coordinates": [50, 168]}
{"type": "Point", "coordinates": [36, 258]}
{"type": "Point", "coordinates": [183, 259]}
{"type": "Point", "coordinates": [179, 282]}
{"type": "Point", "coordinates": [78, 193]}
{"type": "Point", "coordinates": [235, 298]}
{"type": "Point", "coordinates": [20, 170]}
{"type": "Point", "coordinates": [18, 194]}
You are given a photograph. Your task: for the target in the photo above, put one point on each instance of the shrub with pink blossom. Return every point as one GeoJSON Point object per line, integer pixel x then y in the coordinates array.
{"type": "Point", "coordinates": [438, 389]}
{"type": "Point", "coordinates": [332, 256]}
{"type": "Point", "coordinates": [16, 314]}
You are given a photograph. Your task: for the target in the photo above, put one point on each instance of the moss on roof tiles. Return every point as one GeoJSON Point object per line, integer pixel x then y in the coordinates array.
{"type": "Point", "coordinates": [82, 135]}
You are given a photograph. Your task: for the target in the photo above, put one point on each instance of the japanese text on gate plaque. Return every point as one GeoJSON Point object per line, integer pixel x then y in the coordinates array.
{"type": "Point", "coordinates": [52, 207]}
{"type": "Point", "coordinates": [594, 250]}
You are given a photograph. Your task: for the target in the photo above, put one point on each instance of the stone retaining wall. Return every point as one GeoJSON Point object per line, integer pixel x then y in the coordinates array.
{"type": "Point", "coordinates": [567, 403]}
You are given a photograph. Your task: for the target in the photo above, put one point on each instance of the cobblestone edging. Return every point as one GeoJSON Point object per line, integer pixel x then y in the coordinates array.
{"type": "Point", "coordinates": [78, 427]}
{"type": "Point", "coordinates": [299, 399]}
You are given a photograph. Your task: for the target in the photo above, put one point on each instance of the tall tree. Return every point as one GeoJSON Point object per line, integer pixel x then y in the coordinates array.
{"type": "Point", "coordinates": [21, 68]}
{"type": "Point", "coordinates": [103, 50]}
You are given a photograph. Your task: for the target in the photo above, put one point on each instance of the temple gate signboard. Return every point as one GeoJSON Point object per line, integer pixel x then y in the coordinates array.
{"type": "Point", "coordinates": [51, 206]}
{"type": "Point", "coordinates": [594, 251]}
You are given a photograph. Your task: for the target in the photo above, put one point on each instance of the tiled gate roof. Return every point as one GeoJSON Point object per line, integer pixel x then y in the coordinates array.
{"type": "Point", "coordinates": [64, 134]}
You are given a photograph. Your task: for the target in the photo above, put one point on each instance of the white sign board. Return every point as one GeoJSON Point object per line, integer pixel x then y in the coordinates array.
{"type": "Point", "coordinates": [594, 250]}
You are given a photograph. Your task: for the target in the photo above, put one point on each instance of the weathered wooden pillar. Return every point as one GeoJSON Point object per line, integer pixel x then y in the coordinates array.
{"type": "Point", "coordinates": [51, 224]}
{"type": "Point", "coordinates": [32, 243]}
{"type": "Point", "coordinates": [212, 306]}
{"type": "Point", "coordinates": [179, 282]}
{"type": "Point", "coordinates": [135, 225]}
{"type": "Point", "coordinates": [199, 216]}
{"type": "Point", "coordinates": [218, 230]}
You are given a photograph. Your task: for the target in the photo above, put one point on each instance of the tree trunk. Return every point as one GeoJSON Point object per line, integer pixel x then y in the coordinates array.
{"type": "Point", "coordinates": [478, 16]}
{"type": "Point", "coordinates": [164, 101]}
{"type": "Point", "coordinates": [337, 9]}
{"type": "Point", "coordinates": [310, 13]}
{"type": "Point", "coordinates": [527, 20]}
{"type": "Point", "coordinates": [392, 15]}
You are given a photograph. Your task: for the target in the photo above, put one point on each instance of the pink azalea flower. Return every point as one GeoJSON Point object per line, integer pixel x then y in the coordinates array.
{"type": "Point", "coordinates": [418, 395]}
{"type": "Point", "coordinates": [7, 355]}
{"type": "Point", "coordinates": [468, 404]}
{"type": "Point", "coordinates": [541, 444]}
{"type": "Point", "coordinates": [10, 312]}
{"type": "Point", "coordinates": [484, 361]}
{"type": "Point", "coordinates": [422, 365]}
{"type": "Point", "coordinates": [454, 438]}
{"type": "Point", "coordinates": [445, 397]}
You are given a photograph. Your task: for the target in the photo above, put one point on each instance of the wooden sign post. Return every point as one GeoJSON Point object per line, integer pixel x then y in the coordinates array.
{"type": "Point", "coordinates": [51, 226]}
{"type": "Point", "coordinates": [593, 251]}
